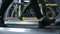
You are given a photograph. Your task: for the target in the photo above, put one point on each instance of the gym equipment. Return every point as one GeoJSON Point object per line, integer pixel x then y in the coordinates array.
{"type": "Point", "coordinates": [34, 6]}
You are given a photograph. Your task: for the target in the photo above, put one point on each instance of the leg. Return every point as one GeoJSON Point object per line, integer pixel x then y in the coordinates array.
{"type": "Point", "coordinates": [35, 7]}
{"type": "Point", "coordinates": [4, 6]}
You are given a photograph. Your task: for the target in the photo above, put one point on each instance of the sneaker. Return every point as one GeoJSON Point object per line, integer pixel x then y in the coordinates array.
{"type": "Point", "coordinates": [44, 22]}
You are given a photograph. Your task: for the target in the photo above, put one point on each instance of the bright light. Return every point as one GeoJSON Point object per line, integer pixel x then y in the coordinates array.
{"type": "Point", "coordinates": [1, 28]}
{"type": "Point", "coordinates": [15, 29]}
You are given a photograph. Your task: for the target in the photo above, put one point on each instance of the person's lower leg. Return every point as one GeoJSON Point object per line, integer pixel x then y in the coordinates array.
{"type": "Point", "coordinates": [4, 6]}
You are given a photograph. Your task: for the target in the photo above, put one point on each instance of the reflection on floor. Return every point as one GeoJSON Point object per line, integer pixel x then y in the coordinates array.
{"type": "Point", "coordinates": [4, 30]}
{"type": "Point", "coordinates": [18, 27]}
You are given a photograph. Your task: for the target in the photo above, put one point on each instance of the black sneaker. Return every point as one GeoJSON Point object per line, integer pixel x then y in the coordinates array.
{"type": "Point", "coordinates": [44, 22]}
{"type": "Point", "coordinates": [57, 24]}
{"type": "Point", "coordinates": [41, 25]}
{"type": "Point", "coordinates": [2, 24]}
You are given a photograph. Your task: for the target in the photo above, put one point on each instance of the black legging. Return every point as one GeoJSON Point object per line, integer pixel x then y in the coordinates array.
{"type": "Point", "coordinates": [35, 6]}
{"type": "Point", "coordinates": [4, 6]}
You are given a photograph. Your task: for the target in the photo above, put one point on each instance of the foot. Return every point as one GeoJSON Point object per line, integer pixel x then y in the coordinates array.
{"type": "Point", "coordinates": [44, 22]}
{"type": "Point", "coordinates": [3, 25]}
{"type": "Point", "coordinates": [57, 24]}
{"type": "Point", "coordinates": [41, 25]}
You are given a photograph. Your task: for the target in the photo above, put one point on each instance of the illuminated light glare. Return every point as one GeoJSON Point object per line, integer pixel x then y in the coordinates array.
{"type": "Point", "coordinates": [15, 29]}
{"type": "Point", "coordinates": [1, 28]}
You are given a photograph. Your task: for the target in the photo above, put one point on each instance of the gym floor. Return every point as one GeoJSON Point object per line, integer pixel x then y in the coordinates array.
{"type": "Point", "coordinates": [27, 29]}
{"type": "Point", "coordinates": [4, 30]}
